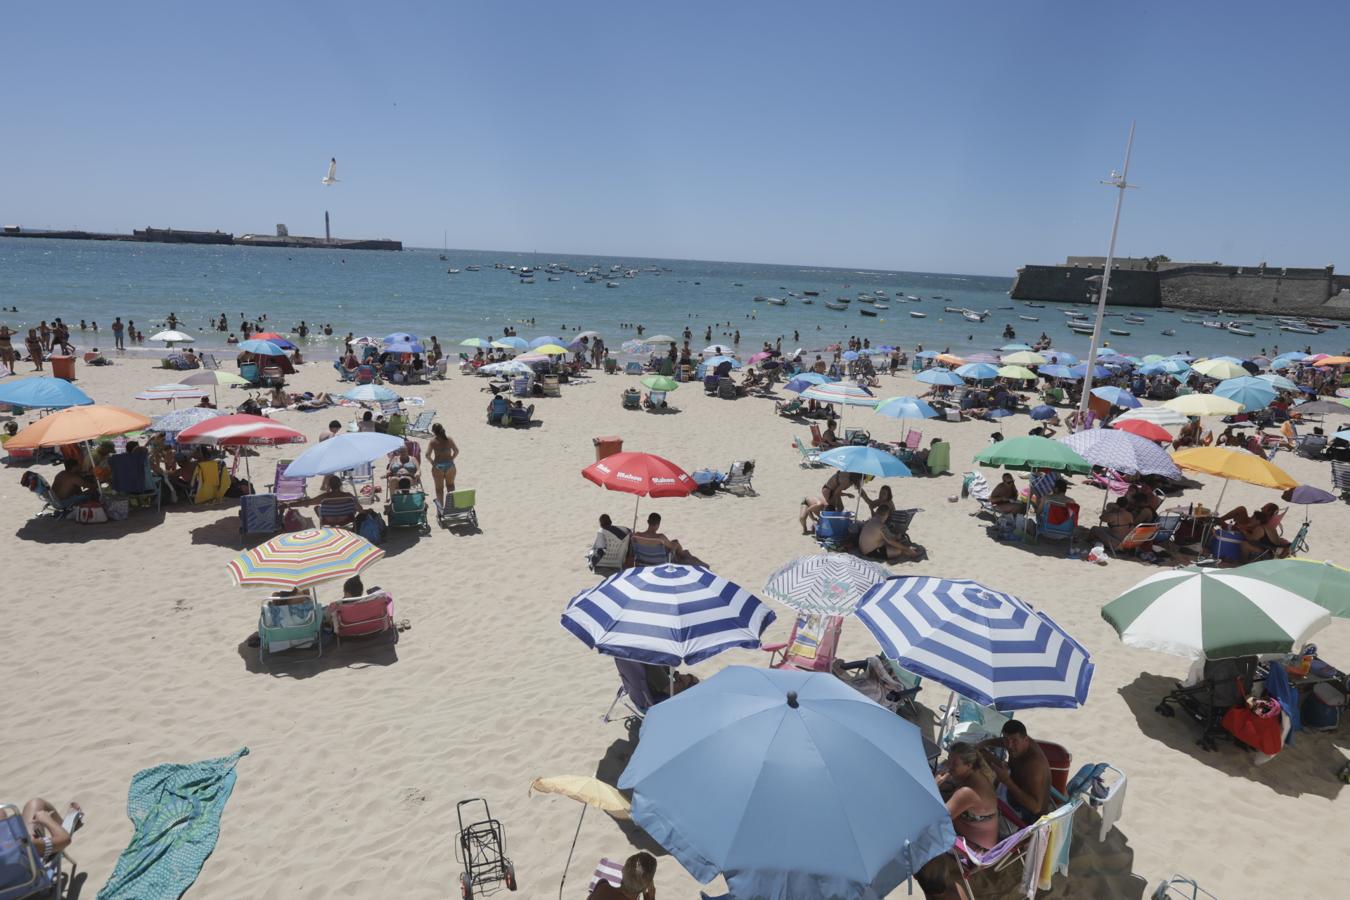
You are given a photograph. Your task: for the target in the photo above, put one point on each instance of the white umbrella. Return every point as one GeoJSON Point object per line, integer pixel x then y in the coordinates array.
{"type": "Point", "coordinates": [172, 337]}
{"type": "Point", "coordinates": [1158, 415]}
{"type": "Point", "coordinates": [171, 392]}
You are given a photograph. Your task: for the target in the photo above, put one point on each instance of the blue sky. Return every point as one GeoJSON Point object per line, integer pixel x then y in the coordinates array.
{"type": "Point", "coordinates": [958, 137]}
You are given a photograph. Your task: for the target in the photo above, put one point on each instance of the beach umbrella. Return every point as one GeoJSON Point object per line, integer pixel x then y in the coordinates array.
{"type": "Point", "coordinates": [275, 338]}
{"type": "Point", "coordinates": [824, 584]}
{"type": "Point", "coordinates": [1056, 370]}
{"type": "Point", "coordinates": [370, 393]}
{"type": "Point", "coordinates": [40, 392]}
{"type": "Point", "coordinates": [179, 419]}
{"type": "Point", "coordinates": [1235, 465]}
{"type": "Point", "coordinates": [531, 358]}
{"type": "Point", "coordinates": [667, 615]}
{"type": "Point", "coordinates": [510, 367]}
{"type": "Point", "coordinates": [841, 392]}
{"type": "Point", "coordinates": [1158, 415]}
{"type": "Point", "coordinates": [643, 474]}
{"type": "Point", "coordinates": [480, 343]}
{"type": "Point", "coordinates": [261, 348]}
{"type": "Point", "coordinates": [1219, 368]}
{"type": "Point", "coordinates": [511, 342]}
{"type": "Point", "coordinates": [949, 359]}
{"type": "Point", "coordinates": [905, 408]}
{"type": "Point", "coordinates": [343, 452]}
{"type": "Point", "coordinates": [982, 358]}
{"type": "Point", "coordinates": [804, 380]}
{"type": "Point", "coordinates": [984, 644]}
{"type": "Point", "coordinates": [545, 339]}
{"type": "Point", "coordinates": [1116, 396]}
{"type": "Point", "coordinates": [1016, 373]}
{"type": "Point", "coordinates": [588, 335]}
{"type": "Point", "coordinates": [400, 337]}
{"type": "Point", "coordinates": [589, 792]}
{"type": "Point", "coordinates": [172, 337]}
{"type": "Point", "coordinates": [718, 350]}
{"type": "Point", "coordinates": [1279, 382]}
{"type": "Point", "coordinates": [240, 430]}
{"type": "Point", "coordinates": [926, 354]}
{"type": "Point", "coordinates": [725, 771]}
{"type": "Point", "coordinates": [977, 371]}
{"type": "Point", "coordinates": [76, 425]}
{"type": "Point", "coordinates": [660, 383]}
{"type": "Point", "coordinates": [1043, 412]}
{"type": "Point", "coordinates": [1203, 405]}
{"type": "Point", "coordinates": [1323, 408]}
{"type": "Point", "coordinates": [403, 347]}
{"type": "Point", "coordinates": [1122, 451]}
{"type": "Point", "coordinates": [1324, 583]}
{"type": "Point", "coordinates": [661, 339]}
{"type": "Point", "coordinates": [1029, 452]}
{"type": "Point", "coordinates": [1143, 428]}
{"type": "Point", "coordinates": [940, 377]}
{"type": "Point", "coordinates": [1328, 361]}
{"type": "Point", "coordinates": [1015, 347]}
{"type": "Point", "coordinates": [1307, 495]}
{"type": "Point", "coordinates": [1080, 371]}
{"type": "Point", "coordinates": [847, 356]}
{"type": "Point", "coordinates": [1024, 358]}
{"type": "Point", "coordinates": [171, 392]}
{"type": "Point", "coordinates": [550, 350]}
{"type": "Point", "coordinates": [215, 378]}
{"type": "Point", "coordinates": [1252, 393]}
{"type": "Point", "coordinates": [1213, 614]}
{"type": "Point", "coordinates": [1060, 357]}
{"type": "Point", "coordinates": [636, 347]}
{"type": "Point", "coordinates": [865, 461]}
{"type": "Point", "coordinates": [303, 558]}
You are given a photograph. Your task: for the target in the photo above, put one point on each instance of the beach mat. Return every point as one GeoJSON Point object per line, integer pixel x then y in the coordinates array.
{"type": "Point", "coordinates": [176, 811]}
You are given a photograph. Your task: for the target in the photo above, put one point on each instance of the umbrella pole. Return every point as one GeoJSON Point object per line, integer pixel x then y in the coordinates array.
{"type": "Point", "coordinates": [571, 850]}
{"type": "Point", "coordinates": [636, 500]}
{"type": "Point", "coordinates": [1218, 510]}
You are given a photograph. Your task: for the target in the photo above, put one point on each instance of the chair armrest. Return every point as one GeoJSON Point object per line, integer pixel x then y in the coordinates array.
{"type": "Point", "coordinates": [772, 648]}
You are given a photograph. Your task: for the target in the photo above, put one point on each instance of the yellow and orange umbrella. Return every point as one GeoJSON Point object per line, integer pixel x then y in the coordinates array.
{"type": "Point", "coordinates": [1333, 361]}
{"type": "Point", "coordinates": [1237, 465]}
{"type": "Point", "coordinates": [76, 425]}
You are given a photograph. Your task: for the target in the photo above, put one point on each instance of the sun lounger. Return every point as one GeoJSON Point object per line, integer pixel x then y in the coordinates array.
{"type": "Point", "coordinates": [608, 552]}
{"type": "Point", "coordinates": [810, 456]}
{"type": "Point", "coordinates": [459, 510]}
{"type": "Point", "coordinates": [811, 645]}
{"type": "Point", "coordinates": [362, 616]}
{"type": "Point", "coordinates": [290, 625]}
{"type": "Point", "coordinates": [740, 475]}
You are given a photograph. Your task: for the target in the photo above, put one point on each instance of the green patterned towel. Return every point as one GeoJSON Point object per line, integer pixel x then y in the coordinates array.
{"type": "Point", "coordinates": [176, 811]}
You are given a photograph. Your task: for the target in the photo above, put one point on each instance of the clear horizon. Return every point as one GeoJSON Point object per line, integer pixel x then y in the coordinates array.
{"type": "Point", "coordinates": [965, 139]}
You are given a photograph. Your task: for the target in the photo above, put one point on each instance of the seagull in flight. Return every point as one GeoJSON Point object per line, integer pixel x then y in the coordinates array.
{"type": "Point", "coordinates": [331, 177]}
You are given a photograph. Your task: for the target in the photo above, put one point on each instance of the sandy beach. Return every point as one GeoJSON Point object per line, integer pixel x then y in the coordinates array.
{"type": "Point", "coordinates": [127, 648]}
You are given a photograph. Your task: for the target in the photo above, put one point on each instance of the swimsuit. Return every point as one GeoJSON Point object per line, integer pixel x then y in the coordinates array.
{"type": "Point", "coordinates": [445, 464]}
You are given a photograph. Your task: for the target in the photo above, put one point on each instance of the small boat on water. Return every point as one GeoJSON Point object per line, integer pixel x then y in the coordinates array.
{"type": "Point", "coordinates": [955, 309]}
{"type": "Point", "coordinates": [1029, 318]}
{"type": "Point", "coordinates": [863, 298]}
{"type": "Point", "coordinates": [843, 299]}
{"type": "Point", "coordinates": [1323, 323]}
{"type": "Point", "coordinates": [911, 297]}
{"type": "Point", "coordinates": [1211, 324]}
{"type": "Point", "coordinates": [1234, 329]}
{"type": "Point", "coordinates": [1299, 329]}
{"type": "Point", "coordinates": [1133, 320]}
{"type": "Point", "coordinates": [1035, 305]}
{"type": "Point", "coordinates": [1119, 332]}
{"type": "Point", "coordinates": [737, 284]}
{"type": "Point", "coordinates": [838, 307]}
{"type": "Point", "coordinates": [1193, 321]}
{"type": "Point", "coordinates": [554, 278]}
{"type": "Point", "coordinates": [760, 298]}
{"type": "Point", "coordinates": [527, 280]}
{"type": "Point", "coordinates": [868, 312]}
{"type": "Point", "coordinates": [808, 301]}
{"type": "Point", "coordinates": [1072, 313]}
{"type": "Point", "coordinates": [1080, 328]}
{"type": "Point", "coordinates": [917, 315]}
{"type": "Point", "coordinates": [811, 293]}
{"type": "Point", "coordinates": [611, 284]}
{"type": "Point", "coordinates": [452, 271]}
{"type": "Point", "coordinates": [971, 316]}
{"type": "Point", "coordinates": [471, 268]}
{"type": "Point", "coordinates": [778, 301]}
{"type": "Point", "coordinates": [1168, 332]}
{"type": "Point", "coordinates": [881, 306]}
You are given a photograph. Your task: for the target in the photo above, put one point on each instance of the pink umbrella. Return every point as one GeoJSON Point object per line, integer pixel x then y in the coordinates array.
{"type": "Point", "coordinates": [763, 354]}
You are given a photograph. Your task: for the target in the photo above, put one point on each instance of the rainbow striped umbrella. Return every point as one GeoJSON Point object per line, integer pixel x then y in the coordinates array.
{"type": "Point", "coordinates": [303, 558]}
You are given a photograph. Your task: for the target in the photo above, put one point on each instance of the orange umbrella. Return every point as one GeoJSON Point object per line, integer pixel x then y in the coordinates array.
{"type": "Point", "coordinates": [1333, 361]}
{"type": "Point", "coordinates": [949, 359]}
{"type": "Point", "coordinates": [77, 424]}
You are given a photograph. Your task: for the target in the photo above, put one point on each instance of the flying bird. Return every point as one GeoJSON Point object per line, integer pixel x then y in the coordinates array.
{"type": "Point", "coordinates": [331, 177]}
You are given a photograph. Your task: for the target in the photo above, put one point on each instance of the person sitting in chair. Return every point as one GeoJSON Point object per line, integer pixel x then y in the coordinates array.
{"type": "Point", "coordinates": [1189, 435]}
{"type": "Point", "coordinates": [637, 882]}
{"type": "Point", "coordinates": [50, 833]}
{"type": "Point", "coordinates": [876, 538]}
{"type": "Point", "coordinates": [403, 466]}
{"type": "Point", "coordinates": [1025, 778]}
{"type": "Point", "coordinates": [72, 485]}
{"type": "Point", "coordinates": [652, 537]}
{"type": "Point", "coordinates": [1117, 523]}
{"type": "Point", "coordinates": [1004, 497]}
{"type": "Point", "coordinates": [967, 785]}
{"type": "Point", "coordinates": [336, 506]}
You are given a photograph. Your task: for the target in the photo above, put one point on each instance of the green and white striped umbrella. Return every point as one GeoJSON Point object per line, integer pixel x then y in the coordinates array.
{"type": "Point", "coordinates": [1215, 613]}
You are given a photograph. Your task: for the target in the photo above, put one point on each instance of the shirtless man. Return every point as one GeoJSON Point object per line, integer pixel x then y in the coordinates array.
{"type": "Point", "coordinates": [653, 535]}
{"type": "Point", "coordinates": [70, 482]}
{"type": "Point", "coordinates": [1026, 776]}
{"type": "Point", "coordinates": [1117, 522]}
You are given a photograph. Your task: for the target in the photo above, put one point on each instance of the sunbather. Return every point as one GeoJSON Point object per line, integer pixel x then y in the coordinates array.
{"type": "Point", "coordinates": [70, 484]}
{"type": "Point", "coordinates": [1004, 497]}
{"type": "Point", "coordinates": [968, 786]}
{"type": "Point", "coordinates": [1117, 523]}
{"type": "Point", "coordinates": [402, 466]}
{"type": "Point", "coordinates": [50, 835]}
{"type": "Point", "coordinates": [441, 453]}
{"type": "Point", "coordinates": [336, 506]}
{"type": "Point", "coordinates": [653, 535]}
{"type": "Point", "coordinates": [1026, 776]}
{"type": "Point", "coordinates": [1189, 435]}
{"type": "Point", "coordinates": [876, 537]}
{"type": "Point", "coordinates": [639, 872]}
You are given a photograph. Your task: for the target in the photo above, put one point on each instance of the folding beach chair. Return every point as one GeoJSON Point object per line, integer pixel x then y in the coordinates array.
{"type": "Point", "coordinates": [873, 679]}
{"type": "Point", "coordinates": [258, 514]}
{"type": "Point", "coordinates": [290, 625]}
{"type": "Point", "coordinates": [899, 521]}
{"type": "Point", "coordinates": [459, 510]}
{"type": "Point", "coordinates": [810, 456]}
{"type": "Point", "coordinates": [939, 458]}
{"type": "Point", "coordinates": [1014, 848]}
{"type": "Point", "coordinates": [520, 418]}
{"type": "Point", "coordinates": [209, 361]}
{"type": "Point", "coordinates": [648, 553]}
{"type": "Point", "coordinates": [1180, 887]}
{"type": "Point", "coordinates": [522, 386]}
{"type": "Point", "coordinates": [422, 424]}
{"type": "Point", "coordinates": [1340, 477]}
{"type": "Point", "coordinates": [1224, 683]}
{"type": "Point", "coordinates": [965, 720]}
{"type": "Point", "coordinates": [130, 476]}
{"type": "Point", "coordinates": [726, 389]}
{"type": "Point", "coordinates": [811, 646]}
{"type": "Point", "coordinates": [1056, 522]}
{"type": "Point", "coordinates": [1141, 537]}
{"type": "Point", "coordinates": [288, 488]}
{"type": "Point", "coordinates": [606, 869]}
{"type": "Point", "coordinates": [23, 871]}
{"type": "Point", "coordinates": [608, 552]}
{"type": "Point", "coordinates": [210, 482]}
{"type": "Point", "coordinates": [739, 477]}
{"type": "Point", "coordinates": [910, 684]}
{"type": "Point", "coordinates": [362, 481]}
{"type": "Point", "coordinates": [362, 616]}
{"type": "Point", "coordinates": [913, 438]}
{"type": "Point", "coordinates": [816, 437]}
{"type": "Point", "coordinates": [790, 408]}
{"type": "Point", "coordinates": [635, 692]}
{"type": "Point", "coordinates": [344, 374]}
{"type": "Point", "coordinates": [632, 368]}
{"type": "Point", "coordinates": [407, 509]}
{"type": "Point", "coordinates": [337, 512]}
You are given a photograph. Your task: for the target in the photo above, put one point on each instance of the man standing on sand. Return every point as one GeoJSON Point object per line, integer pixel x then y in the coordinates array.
{"type": "Point", "coordinates": [117, 334]}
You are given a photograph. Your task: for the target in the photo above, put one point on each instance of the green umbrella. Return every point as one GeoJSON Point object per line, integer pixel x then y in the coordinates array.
{"type": "Point", "coordinates": [1324, 583]}
{"type": "Point", "coordinates": [1214, 613]}
{"type": "Point", "coordinates": [1032, 452]}
{"type": "Point", "coordinates": [660, 383]}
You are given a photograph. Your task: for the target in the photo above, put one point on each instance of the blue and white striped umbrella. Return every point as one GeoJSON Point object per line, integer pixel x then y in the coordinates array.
{"type": "Point", "coordinates": [983, 644]}
{"type": "Point", "coordinates": [827, 584]}
{"type": "Point", "coordinates": [667, 615]}
{"type": "Point", "coordinates": [840, 392]}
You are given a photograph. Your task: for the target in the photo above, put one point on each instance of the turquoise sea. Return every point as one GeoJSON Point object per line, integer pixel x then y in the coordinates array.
{"type": "Point", "coordinates": [377, 292]}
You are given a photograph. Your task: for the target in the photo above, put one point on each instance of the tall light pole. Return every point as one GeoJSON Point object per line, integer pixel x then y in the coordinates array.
{"type": "Point", "coordinates": [1117, 180]}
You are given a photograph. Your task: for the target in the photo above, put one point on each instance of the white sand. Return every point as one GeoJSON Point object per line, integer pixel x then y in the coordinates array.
{"type": "Point", "coordinates": [126, 649]}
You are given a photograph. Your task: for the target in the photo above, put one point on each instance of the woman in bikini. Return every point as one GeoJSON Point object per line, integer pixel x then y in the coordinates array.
{"type": "Point", "coordinates": [971, 800]}
{"type": "Point", "coordinates": [441, 452]}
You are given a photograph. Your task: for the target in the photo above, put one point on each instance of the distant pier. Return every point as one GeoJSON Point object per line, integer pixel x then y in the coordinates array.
{"type": "Point", "coordinates": [177, 236]}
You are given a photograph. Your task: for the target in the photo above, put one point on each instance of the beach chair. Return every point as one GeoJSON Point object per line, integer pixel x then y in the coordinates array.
{"type": "Point", "coordinates": [910, 685]}
{"type": "Point", "coordinates": [834, 529]}
{"type": "Point", "coordinates": [1013, 848]}
{"type": "Point", "coordinates": [422, 424]}
{"type": "Point", "coordinates": [290, 625]}
{"type": "Point", "coordinates": [1053, 396]}
{"type": "Point", "coordinates": [656, 400]}
{"type": "Point", "coordinates": [873, 679]}
{"type": "Point", "coordinates": [609, 551]}
{"type": "Point", "coordinates": [740, 475]}
{"type": "Point", "coordinates": [336, 512]}
{"type": "Point", "coordinates": [251, 372]}
{"type": "Point", "coordinates": [898, 522]}
{"type": "Point", "coordinates": [362, 616]}
{"type": "Point", "coordinates": [1224, 683]}
{"type": "Point", "coordinates": [1340, 477]}
{"type": "Point", "coordinates": [1299, 545]}
{"type": "Point", "coordinates": [258, 514]}
{"type": "Point", "coordinates": [632, 368]}
{"type": "Point", "coordinates": [632, 398]}
{"type": "Point", "coordinates": [809, 456]}
{"type": "Point", "coordinates": [606, 870]}
{"type": "Point", "coordinates": [522, 386]}
{"type": "Point", "coordinates": [962, 719]}
{"type": "Point", "coordinates": [726, 389]}
{"type": "Point", "coordinates": [817, 439]}
{"type": "Point", "coordinates": [710, 385]}
{"type": "Point", "coordinates": [520, 418]}
{"type": "Point", "coordinates": [362, 481]}
{"type": "Point", "coordinates": [459, 510]}
{"type": "Point", "coordinates": [407, 509]}
{"type": "Point", "coordinates": [1180, 887]}
{"type": "Point", "coordinates": [343, 373]}
{"type": "Point", "coordinates": [939, 458]}
{"type": "Point", "coordinates": [1056, 522]}
{"type": "Point", "coordinates": [288, 488]}
{"type": "Point", "coordinates": [635, 692]}
{"type": "Point", "coordinates": [498, 410]}
{"type": "Point", "coordinates": [789, 409]}
{"type": "Point", "coordinates": [647, 552]}
{"type": "Point", "coordinates": [23, 872]}
{"type": "Point", "coordinates": [57, 509]}
{"type": "Point", "coordinates": [130, 476]}
{"type": "Point", "coordinates": [210, 482]}
{"type": "Point", "coordinates": [913, 438]}
{"type": "Point", "coordinates": [365, 375]}
{"type": "Point", "coordinates": [209, 361]}
{"type": "Point", "coordinates": [811, 646]}
{"type": "Point", "coordinates": [1141, 537]}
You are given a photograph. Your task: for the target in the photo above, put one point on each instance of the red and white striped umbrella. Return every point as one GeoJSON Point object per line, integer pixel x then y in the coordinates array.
{"type": "Point", "coordinates": [240, 430]}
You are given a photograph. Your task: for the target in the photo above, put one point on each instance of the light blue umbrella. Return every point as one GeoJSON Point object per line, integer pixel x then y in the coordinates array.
{"type": "Point", "coordinates": [513, 343]}
{"type": "Point", "coordinates": [788, 784]}
{"type": "Point", "coordinates": [905, 408]}
{"type": "Point", "coordinates": [1013, 348]}
{"type": "Point", "coordinates": [983, 644]}
{"type": "Point", "coordinates": [413, 346]}
{"type": "Point", "coordinates": [711, 363]}
{"type": "Point", "coordinates": [547, 339]}
{"type": "Point", "coordinates": [1080, 371]}
{"type": "Point", "coordinates": [978, 371]}
{"type": "Point", "coordinates": [941, 377]}
{"type": "Point", "coordinates": [401, 337]}
{"type": "Point", "coordinates": [343, 452]}
{"type": "Point", "coordinates": [1059, 357]}
{"type": "Point", "coordinates": [849, 355]}
{"type": "Point", "coordinates": [804, 380]}
{"type": "Point", "coordinates": [1278, 382]}
{"type": "Point", "coordinates": [1043, 412]}
{"type": "Point", "coordinates": [480, 343]}
{"type": "Point", "coordinates": [370, 393]}
{"type": "Point", "coordinates": [43, 393]}
{"type": "Point", "coordinates": [1058, 370]}
{"type": "Point", "coordinates": [262, 348]}
{"type": "Point", "coordinates": [666, 615]}
{"type": "Point", "coordinates": [865, 461]}
{"type": "Point", "coordinates": [1253, 393]}
{"type": "Point", "coordinates": [927, 354]}
{"type": "Point", "coordinates": [1116, 396]}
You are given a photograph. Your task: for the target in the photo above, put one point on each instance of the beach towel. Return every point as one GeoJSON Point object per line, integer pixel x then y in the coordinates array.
{"type": "Point", "coordinates": [176, 811]}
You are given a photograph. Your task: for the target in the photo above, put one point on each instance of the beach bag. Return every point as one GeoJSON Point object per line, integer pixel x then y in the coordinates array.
{"type": "Point", "coordinates": [370, 525]}
{"type": "Point", "coordinates": [1258, 726]}
{"type": "Point", "coordinates": [117, 508]}
{"type": "Point", "coordinates": [90, 513]}
{"type": "Point", "coordinates": [294, 521]}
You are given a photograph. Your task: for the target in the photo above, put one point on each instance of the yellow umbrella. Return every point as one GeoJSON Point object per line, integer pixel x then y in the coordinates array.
{"type": "Point", "coordinates": [1333, 361]}
{"type": "Point", "coordinates": [1017, 373]}
{"type": "Point", "coordinates": [1220, 369]}
{"type": "Point", "coordinates": [550, 350]}
{"type": "Point", "coordinates": [587, 791]}
{"type": "Point", "coordinates": [1203, 405]}
{"type": "Point", "coordinates": [77, 425]}
{"type": "Point", "coordinates": [1234, 464]}
{"type": "Point", "coordinates": [1024, 358]}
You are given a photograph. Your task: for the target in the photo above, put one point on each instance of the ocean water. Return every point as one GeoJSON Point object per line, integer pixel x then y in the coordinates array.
{"type": "Point", "coordinates": [374, 292]}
